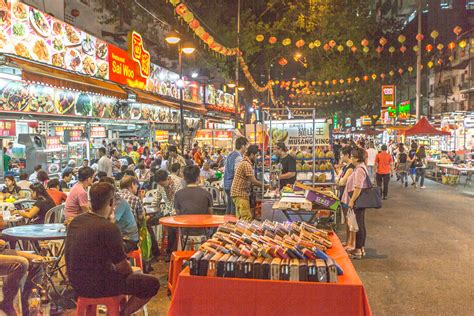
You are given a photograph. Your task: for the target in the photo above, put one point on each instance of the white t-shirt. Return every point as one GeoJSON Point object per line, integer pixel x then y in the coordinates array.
{"type": "Point", "coordinates": [105, 165]}
{"type": "Point", "coordinates": [371, 153]}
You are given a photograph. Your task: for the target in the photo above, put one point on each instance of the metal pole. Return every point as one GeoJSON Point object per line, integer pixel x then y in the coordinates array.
{"type": "Point", "coordinates": [181, 110]}
{"type": "Point", "coordinates": [314, 147]}
{"type": "Point", "coordinates": [418, 64]}
{"type": "Point", "coordinates": [236, 98]}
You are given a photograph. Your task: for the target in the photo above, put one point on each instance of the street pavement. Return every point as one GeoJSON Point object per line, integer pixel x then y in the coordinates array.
{"type": "Point", "coordinates": [419, 252]}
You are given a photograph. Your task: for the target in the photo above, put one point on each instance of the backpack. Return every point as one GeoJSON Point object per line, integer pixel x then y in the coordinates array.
{"type": "Point", "coordinates": [402, 158]}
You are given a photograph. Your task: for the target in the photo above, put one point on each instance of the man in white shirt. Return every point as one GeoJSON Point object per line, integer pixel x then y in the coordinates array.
{"type": "Point", "coordinates": [104, 164]}
{"type": "Point", "coordinates": [371, 153]}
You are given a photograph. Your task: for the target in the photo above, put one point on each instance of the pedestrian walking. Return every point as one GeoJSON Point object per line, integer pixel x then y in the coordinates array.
{"type": "Point", "coordinates": [371, 154]}
{"type": "Point", "coordinates": [384, 168]}
{"type": "Point", "coordinates": [420, 165]}
{"type": "Point", "coordinates": [402, 165]}
{"type": "Point", "coordinates": [411, 161]}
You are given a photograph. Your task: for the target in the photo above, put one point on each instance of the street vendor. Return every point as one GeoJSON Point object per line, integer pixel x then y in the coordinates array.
{"type": "Point", "coordinates": [288, 165]}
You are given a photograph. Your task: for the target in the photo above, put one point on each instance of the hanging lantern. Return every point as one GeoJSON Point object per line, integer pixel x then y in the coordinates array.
{"type": "Point", "coordinates": [313, 83]}
{"type": "Point", "coordinates": [391, 49]}
{"type": "Point", "coordinates": [452, 45]}
{"type": "Point", "coordinates": [383, 41]}
{"type": "Point", "coordinates": [340, 48]}
{"type": "Point", "coordinates": [457, 30]}
{"type": "Point", "coordinates": [205, 36]}
{"type": "Point", "coordinates": [462, 44]}
{"type": "Point", "coordinates": [326, 47]}
{"type": "Point", "coordinates": [286, 42]}
{"type": "Point", "coordinates": [364, 42]}
{"type": "Point", "coordinates": [366, 49]}
{"type": "Point", "coordinates": [334, 82]}
{"type": "Point", "coordinates": [194, 24]}
{"type": "Point", "coordinates": [402, 39]}
{"type": "Point", "coordinates": [451, 58]}
{"type": "Point", "coordinates": [341, 81]}
{"type": "Point", "coordinates": [410, 69]}
{"type": "Point", "coordinates": [353, 49]}
{"type": "Point", "coordinates": [357, 79]}
{"type": "Point", "coordinates": [311, 45]}
{"type": "Point", "coordinates": [332, 43]}
{"type": "Point", "coordinates": [434, 34]}
{"type": "Point", "coordinates": [349, 80]}
{"type": "Point", "coordinates": [379, 50]}
{"type": "Point", "coordinates": [181, 9]}
{"type": "Point", "coordinates": [320, 83]}
{"type": "Point", "coordinates": [440, 47]}
{"type": "Point", "coordinates": [429, 47]}
{"type": "Point", "coordinates": [188, 17]}
{"type": "Point", "coordinates": [318, 93]}
{"type": "Point", "coordinates": [272, 40]}
{"type": "Point", "coordinates": [349, 43]}
{"type": "Point", "coordinates": [403, 49]}
{"type": "Point", "coordinates": [382, 75]}
{"type": "Point", "coordinates": [210, 40]}
{"type": "Point", "coordinates": [175, 2]}
{"type": "Point", "coordinates": [400, 71]}
{"type": "Point", "coordinates": [440, 61]}
{"type": "Point", "coordinates": [415, 48]}
{"type": "Point", "coordinates": [374, 76]}
{"type": "Point", "coordinates": [326, 82]}
{"type": "Point", "coordinates": [366, 78]}
{"type": "Point", "coordinates": [259, 38]}
{"type": "Point", "coordinates": [391, 73]}
{"type": "Point", "coordinates": [430, 64]}
{"type": "Point", "coordinates": [317, 43]}
{"type": "Point", "coordinates": [299, 43]}
{"type": "Point", "coordinates": [199, 31]}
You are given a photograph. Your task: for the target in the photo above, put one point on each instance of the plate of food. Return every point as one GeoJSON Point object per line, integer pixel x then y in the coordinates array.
{"type": "Point", "coordinates": [3, 39]}
{"type": "Point", "coordinates": [88, 45]}
{"type": "Point", "coordinates": [58, 28]}
{"type": "Point", "coordinates": [22, 50]}
{"type": "Point", "coordinates": [103, 70]}
{"type": "Point", "coordinates": [41, 51]}
{"type": "Point", "coordinates": [40, 23]}
{"type": "Point", "coordinates": [73, 60]}
{"type": "Point", "coordinates": [4, 17]}
{"type": "Point", "coordinates": [19, 30]}
{"type": "Point", "coordinates": [102, 50]}
{"type": "Point", "coordinates": [84, 105]}
{"type": "Point", "coordinates": [135, 113]}
{"type": "Point", "coordinates": [20, 11]}
{"type": "Point", "coordinates": [64, 101]}
{"type": "Point", "coordinates": [89, 66]}
{"type": "Point", "coordinates": [58, 44]}
{"type": "Point", "coordinates": [73, 36]}
{"type": "Point", "coordinates": [58, 60]}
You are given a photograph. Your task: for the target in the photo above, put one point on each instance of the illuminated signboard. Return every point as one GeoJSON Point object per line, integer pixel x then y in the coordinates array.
{"type": "Point", "coordinates": [138, 53]}
{"type": "Point", "coordinates": [7, 128]}
{"type": "Point", "coordinates": [388, 96]}
{"type": "Point", "coordinates": [404, 110]}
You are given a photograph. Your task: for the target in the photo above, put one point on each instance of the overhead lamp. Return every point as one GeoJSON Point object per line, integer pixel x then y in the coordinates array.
{"type": "Point", "coordinates": [231, 84]}
{"type": "Point", "coordinates": [173, 37]}
{"type": "Point", "coordinates": [194, 75]}
{"type": "Point", "coordinates": [255, 100]}
{"type": "Point", "coordinates": [240, 88]}
{"type": "Point", "coordinates": [188, 48]}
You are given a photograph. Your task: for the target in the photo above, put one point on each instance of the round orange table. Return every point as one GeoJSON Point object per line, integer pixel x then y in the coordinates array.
{"type": "Point", "coordinates": [195, 221]}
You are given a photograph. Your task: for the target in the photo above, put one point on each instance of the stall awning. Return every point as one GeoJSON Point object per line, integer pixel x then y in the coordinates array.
{"type": "Point", "coordinates": [146, 97]}
{"type": "Point", "coordinates": [32, 71]}
{"type": "Point", "coordinates": [423, 127]}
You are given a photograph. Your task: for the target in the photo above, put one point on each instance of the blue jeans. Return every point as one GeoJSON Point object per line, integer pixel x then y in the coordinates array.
{"type": "Point", "coordinates": [420, 174]}
{"type": "Point", "coordinates": [230, 207]}
{"type": "Point", "coordinates": [370, 170]}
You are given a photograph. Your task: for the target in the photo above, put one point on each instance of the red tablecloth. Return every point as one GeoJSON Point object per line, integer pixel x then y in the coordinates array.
{"type": "Point", "coordinates": [195, 295]}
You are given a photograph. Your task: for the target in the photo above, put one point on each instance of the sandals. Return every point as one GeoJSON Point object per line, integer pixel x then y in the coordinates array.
{"type": "Point", "coordinates": [356, 256]}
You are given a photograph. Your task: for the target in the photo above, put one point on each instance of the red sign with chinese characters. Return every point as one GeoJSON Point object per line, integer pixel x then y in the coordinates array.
{"type": "Point", "coordinates": [53, 142]}
{"type": "Point", "coordinates": [124, 70]}
{"type": "Point", "coordinates": [7, 128]}
{"type": "Point", "coordinates": [204, 134]}
{"type": "Point", "coordinates": [138, 53]}
{"type": "Point", "coordinates": [98, 132]}
{"type": "Point", "coordinates": [223, 134]}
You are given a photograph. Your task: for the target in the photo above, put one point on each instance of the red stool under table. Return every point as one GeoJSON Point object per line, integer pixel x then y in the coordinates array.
{"type": "Point", "coordinates": [87, 306]}
{"type": "Point", "coordinates": [136, 255]}
{"type": "Point", "coordinates": [176, 265]}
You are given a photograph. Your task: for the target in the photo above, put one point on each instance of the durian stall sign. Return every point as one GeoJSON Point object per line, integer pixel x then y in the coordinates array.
{"type": "Point", "coordinates": [301, 133]}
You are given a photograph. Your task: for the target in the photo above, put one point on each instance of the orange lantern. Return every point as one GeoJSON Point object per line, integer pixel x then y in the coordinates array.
{"type": "Point", "coordinates": [379, 49]}
{"type": "Point", "coordinates": [364, 42]}
{"type": "Point", "coordinates": [194, 24]}
{"type": "Point", "coordinates": [332, 43]}
{"type": "Point", "coordinates": [452, 45]}
{"type": "Point", "coordinates": [419, 37]}
{"type": "Point", "coordinates": [383, 41]}
{"type": "Point", "coordinates": [403, 49]}
{"type": "Point", "coordinates": [440, 61]}
{"type": "Point", "coordinates": [326, 47]}
{"type": "Point", "coordinates": [354, 49]}
{"type": "Point", "coordinates": [334, 81]}
{"type": "Point", "coordinates": [366, 78]}
{"type": "Point", "coordinates": [457, 30]}
{"type": "Point", "coordinates": [282, 61]}
{"type": "Point", "coordinates": [382, 75]}
{"type": "Point", "coordinates": [429, 47]}
{"type": "Point", "coordinates": [299, 43]}
{"type": "Point", "coordinates": [181, 9]}
{"type": "Point", "coordinates": [400, 71]}
{"type": "Point", "coordinates": [272, 40]}
{"type": "Point", "coordinates": [205, 36]}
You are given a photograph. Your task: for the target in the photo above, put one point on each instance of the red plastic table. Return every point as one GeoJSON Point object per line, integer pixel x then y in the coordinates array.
{"type": "Point", "coordinates": [197, 295]}
{"type": "Point", "coordinates": [195, 221]}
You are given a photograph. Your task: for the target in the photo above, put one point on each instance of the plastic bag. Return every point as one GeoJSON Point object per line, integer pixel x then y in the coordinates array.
{"type": "Point", "coordinates": [352, 221]}
{"type": "Point", "coordinates": [145, 241]}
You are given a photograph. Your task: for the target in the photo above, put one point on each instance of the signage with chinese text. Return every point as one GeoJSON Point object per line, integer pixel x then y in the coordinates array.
{"type": "Point", "coordinates": [204, 134]}
{"type": "Point", "coordinates": [223, 134]}
{"type": "Point", "coordinates": [53, 142]}
{"type": "Point", "coordinates": [7, 128]}
{"type": "Point", "coordinates": [138, 53]}
{"type": "Point", "coordinates": [388, 96]}
{"type": "Point", "coordinates": [404, 110]}
{"type": "Point", "coordinates": [98, 132]}
{"type": "Point", "coordinates": [301, 133]}
{"type": "Point", "coordinates": [162, 136]}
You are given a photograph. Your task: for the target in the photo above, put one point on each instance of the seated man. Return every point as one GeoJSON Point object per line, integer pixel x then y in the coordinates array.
{"type": "Point", "coordinates": [124, 220]}
{"type": "Point", "coordinates": [206, 172]}
{"type": "Point", "coordinates": [66, 180]}
{"type": "Point", "coordinates": [170, 184]}
{"type": "Point", "coordinates": [191, 200]}
{"type": "Point", "coordinates": [96, 262]}
{"type": "Point", "coordinates": [55, 193]}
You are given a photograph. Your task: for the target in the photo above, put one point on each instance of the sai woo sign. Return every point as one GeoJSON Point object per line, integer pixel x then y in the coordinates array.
{"type": "Point", "coordinates": [388, 96]}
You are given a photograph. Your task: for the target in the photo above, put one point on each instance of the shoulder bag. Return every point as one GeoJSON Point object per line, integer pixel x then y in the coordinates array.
{"type": "Point", "coordinates": [370, 197]}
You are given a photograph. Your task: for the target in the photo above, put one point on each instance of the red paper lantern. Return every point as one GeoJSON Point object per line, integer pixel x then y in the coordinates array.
{"type": "Point", "coordinates": [419, 37]}
{"type": "Point", "coordinates": [194, 24]}
{"type": "Point", "coordinates": [366, 78]}
{"type": "Point", "coordinates": [299, 43]}
{"type": "Point", "coordinates": [326, 47]}
{"type": "Point", "coordinates": [452, 45]}
{"type": "Point", "coordinates": [403, 49]}
{"type": "Point", "coordinates": [272, 40]}
{"type": "Point", "coordinates": [205, 36]}
{"type": "Point", "coordinates": [282, 61]}
{"type": "Point", "coordinates": [379, 49]}
{"type": "Point", "coordinates": [181, 9]}
{"type": "Point", "coordinates": [364, 42]}
{"type": "Point", "coordinates": [354, 49]}
{"type": "Point", "coordinates": [429, 48]}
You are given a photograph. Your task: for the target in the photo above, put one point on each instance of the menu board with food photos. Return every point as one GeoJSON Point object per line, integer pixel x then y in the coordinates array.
{"type": "Point", "coordinates": [219, 100]}
{"type": "Point", "coordinates": [29, 33]}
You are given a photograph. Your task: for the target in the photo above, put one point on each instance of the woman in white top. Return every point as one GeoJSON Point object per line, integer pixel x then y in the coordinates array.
{"type": "Point", "coordinates": [371, 153]}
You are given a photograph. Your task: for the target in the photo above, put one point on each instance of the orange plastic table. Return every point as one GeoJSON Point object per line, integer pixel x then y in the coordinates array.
{"type": "Point", "coordinates": [197, 295]}
{"type": "Point", "coordinates": [195, 221]}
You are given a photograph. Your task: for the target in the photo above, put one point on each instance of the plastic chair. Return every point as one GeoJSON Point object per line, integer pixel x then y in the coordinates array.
{"type": "Point", "coordinates": [55, 215]}
{"type": "Point", "coordinates": [151, 193]}
{"type": "Point", "coordinates": [26, 194]}
{"type": "Point", "coordinates": [176, 265]}
{"type": "Point", "coordinates": [218, 199]}
{"type": "Point", "coordinates": [87, 306]}
{"type": "Point", "coordinates": [136, 255]}
{"type": "Point", "coordinates": [5, 206]}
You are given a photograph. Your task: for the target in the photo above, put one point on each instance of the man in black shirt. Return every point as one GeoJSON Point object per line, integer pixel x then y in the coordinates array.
{"type": "Point", "coordinates": [96, 262]}
{"type": "Point", "coordinates": [288, 165]}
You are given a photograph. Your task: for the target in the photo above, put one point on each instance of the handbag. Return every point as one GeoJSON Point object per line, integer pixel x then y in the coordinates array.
{"type": "Point", "coordinates": [370, 197]}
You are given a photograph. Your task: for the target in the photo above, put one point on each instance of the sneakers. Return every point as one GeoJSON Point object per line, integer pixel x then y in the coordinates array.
{"type": "Point", "coordinates": [422, 187]}
{"type": "Point", "coordinates": [406, 184]}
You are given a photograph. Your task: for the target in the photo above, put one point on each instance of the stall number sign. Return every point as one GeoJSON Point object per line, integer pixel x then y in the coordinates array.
{"type": "Point", "coordinates": [98, 132]}
{"type": "Point", "coordinates": [388, 96]}
{"type": "Point", "coordinates": [302, 135]}
{"type": "Point", "coordinates": [7, 128]}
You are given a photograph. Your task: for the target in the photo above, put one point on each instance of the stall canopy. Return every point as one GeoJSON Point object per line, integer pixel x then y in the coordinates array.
{"type": "Point", "coordinates": [423, 127]}
{"type": "Point", "coordinates": [368, 131]}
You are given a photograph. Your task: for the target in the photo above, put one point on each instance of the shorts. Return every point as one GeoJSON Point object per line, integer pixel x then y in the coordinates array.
{"type": "Point", "coordinates": [413, 171]}
{"type": "Point", "coordinates": [242, 208]}
{"type": "Point", "coordinates": [141, 285]}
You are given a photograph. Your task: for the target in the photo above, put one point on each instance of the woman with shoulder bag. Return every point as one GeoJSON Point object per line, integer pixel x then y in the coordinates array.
{"type": "Point", "coordinates": [420, 165]}
{"type": "Point", "coordinates": [341, 182]}
{"type": "Point", "coordinates": [357, 181]}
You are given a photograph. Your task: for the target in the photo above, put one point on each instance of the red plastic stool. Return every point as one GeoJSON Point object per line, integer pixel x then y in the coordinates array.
{"type": "Point", "coordinates": [87, 306]}
{"type": "Point", "coordinates": [176, 265]}
{"type": "Point", "coordinates": [136, 255]}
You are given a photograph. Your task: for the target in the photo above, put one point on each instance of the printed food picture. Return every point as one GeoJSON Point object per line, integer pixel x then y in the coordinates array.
{"type": "Point", "coordinates": [41, 51]}
{"type": "Point", "coordinates": [20, 11]}
{"type": "Point", "coordinates": [5, 16]}
{"type": "Point", "coordinates": [40, 23]}
{"type": "Point", "coordinates": [73, 36]}
{"type": "Point", "coordinates": [84, 104]}
{"type": "Point", "coordinates": [64, 102]}
{"type": "Point", "coordinates": [73, 60]}
{"type": "Point", "coordinates": [102, 50]}
{"type": "Point", "coordinates": [14, 97]}
{"type": "Point", "coordinates": [89, 66]}
{"type": "Point", "coordinates": [42, 99]}
{"type": "Point", "coordinates": [88, 45]}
